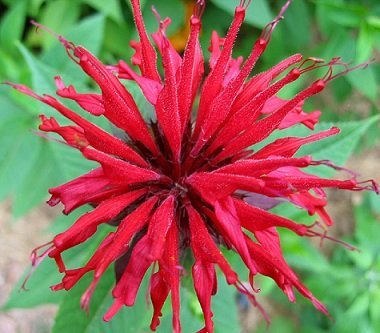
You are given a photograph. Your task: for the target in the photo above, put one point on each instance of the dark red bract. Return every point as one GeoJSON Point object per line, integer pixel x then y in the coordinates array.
{"type": "Point", "coordinates": [189, 182]}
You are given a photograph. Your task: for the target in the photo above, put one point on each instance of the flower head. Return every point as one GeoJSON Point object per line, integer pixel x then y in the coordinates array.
{"type": "Point", "coordinates": [191, 180]}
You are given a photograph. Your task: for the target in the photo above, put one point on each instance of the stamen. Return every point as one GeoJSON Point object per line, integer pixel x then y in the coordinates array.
{"type": "Point", "coordinates": [310, 64]}
{"type": "Point", "coordinates": [245, 3]}
{"type": "Point", "coordinates": [330, 164]}
{"type": "Point", "coordinates": [329, 76]}
{"type": "Point", "coordinates": [372, 186]}
{"type": "Point", "coordinates": [36, 261]}
{"type": "Point", "coordinates": [69, 46]}
{"type": "Point", "coordinates": [268, 30]}
{"type": "Point", "coordinates": [48, 137]}
{"type": "Point", "coordinates": [323, 235]}
{"type": "Point", "coordinates": [162, 26]}
{"type": "Point", "coordinates": [243, 289]}
{"type": "Point", "coordinates": [199, 8]}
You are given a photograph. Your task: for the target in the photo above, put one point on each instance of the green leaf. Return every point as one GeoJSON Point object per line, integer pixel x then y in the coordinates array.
{"type": "Point", "coordinates": [42, 76]}
{"type": "Point", "coordinates": [89, 33]}
{"type": "Point", "coordinates": [71, 318]}
{"type": "Point", "coordinates": [258, 13]}
{"type": "Point", "coordinates": [56, 163]}
{"type": "Point", "coordinates": [38, 291]}
{"type": "Point", "coordinates": [19, 150]}
{"type": "Point", "coordinates": [224, 307]}
{"type": "Point", "coordinates": [340, 147]}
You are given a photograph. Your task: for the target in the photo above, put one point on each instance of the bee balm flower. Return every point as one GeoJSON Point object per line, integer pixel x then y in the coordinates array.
{"type": "Point", "coordinates": [189, 182]}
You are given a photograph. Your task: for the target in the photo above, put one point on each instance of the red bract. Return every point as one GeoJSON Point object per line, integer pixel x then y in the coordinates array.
{"type": "Point", "coordinates": [185, 183]}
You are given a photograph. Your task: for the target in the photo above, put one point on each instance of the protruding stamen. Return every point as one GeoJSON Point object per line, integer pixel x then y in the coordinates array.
{"type": "Point", "coordinates": [323, 235]}
{"type": "Point", "coordinates": [268, 30]}
{"type": "Point", "coordinates": [37, 260]}
{"type": "Point", "coordinates": [48, 137]}
{"type": "Point", "coordinates": [199, 8]}
{"type": "Point", "coordinates": [310, 64]}
{"type": "Point", "coordinates": [330, 164]}
{"type": "Point", "coordinates": [251, 297]}
{"type": "Point", "coordinates": [245, 3]}
{"type": "Point", "coordinates": [162, 26]}
{"type": "Point", "coordinates": [370, 185]}
{"type": "Point", "coordinates": [337, 62]}
{"type": "Point", "coordinates": [69, 46]}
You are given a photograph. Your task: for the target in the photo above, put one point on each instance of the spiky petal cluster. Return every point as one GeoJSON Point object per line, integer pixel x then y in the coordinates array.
{"type": "Point", "coordinates": [188, 184]}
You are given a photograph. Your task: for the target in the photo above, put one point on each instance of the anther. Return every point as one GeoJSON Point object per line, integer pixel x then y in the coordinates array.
{"type": "Point", "coordinates": [199, 8]}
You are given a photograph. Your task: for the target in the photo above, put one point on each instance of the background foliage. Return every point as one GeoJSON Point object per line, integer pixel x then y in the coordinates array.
{"type": "Point", "coordinates": [348, 282]}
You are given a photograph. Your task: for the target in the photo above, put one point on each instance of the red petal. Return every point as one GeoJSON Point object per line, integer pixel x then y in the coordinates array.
{"type": "Point", "coordinates": [245, 116]}
{"type": "Point", "coordinates": [159, 226]}
{"type": "Point", "coordinates": [229, 221]}
{"type": "Point", "coordinates": [73, 135]}
{"type": "Point", "coordinates": [150, 88]}
{"type": "Point", "coordinates": [97, 137]}
{"type": "Point", "coordinates": [87, 224]}
{"type": "Point", "coordinates": [204, 277]}
{"type": "Point", "coordinates": [214, 81]}
{"type": "Point", "coordinates": [120, 171]}
{"type": "Point", "coordinates": [204, 247]}
{"type": "Point", "coordinates": [256, 219]}
{"type": "Point", "coordinates": [263, 128]}
{"type": "Point", "coordinates": [266, 259]}
{"type": "Point", "coordinates": [120, 107]}
{"type": "Point", "coordinates": [256, 168]}
{"type": "Point", "coordinates": [79, 191]}
{"type": "Point", "coordinates": [190, 74]}
{"type": "Point", "coordinates": [261, 81]}
{"type": "Point", "coordinates": [215, 186]}
{"type": "Point", "coordinates": [167, 104]}
{"type": "Point", "coordinates": [159, 292]}
{"type": "Point", "coordinates": [92, 103]}
{"type": "Point", "coordinates": [170, 263]}
{"type": "Point", "coordinates": [128, 286]}
{"type": "Point", "coordinates": [148, 55]}
{"type": "Point", "coordinates": [287, 147]}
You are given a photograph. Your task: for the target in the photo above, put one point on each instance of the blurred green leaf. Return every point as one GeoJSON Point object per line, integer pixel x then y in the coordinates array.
{"type": "Point", "coordinates": [258, 13]}
{"type": "Point", "coordinates": [298, 24]}
{"type": "Point", "coordinates": [173, 9]}
{"type": "Point", "coordinates": [110, 8]}
{"type": "Point", "coordinates": [343, 13]}
{"type": "Point", "coordinates": [373, 21]}
{"type": "Point", "coordinates": [365, 43]}
{"type": "Point", "coordinates": [12, 25]}
{"type": "Point", "coordinates": [59, 15]}
{"type": "Point", "coordinates": [365, 81]}
{"type": "Point", "coordinates": [224, 307]}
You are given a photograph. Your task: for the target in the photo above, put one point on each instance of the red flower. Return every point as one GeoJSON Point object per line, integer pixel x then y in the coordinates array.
{"type": "Point", "coordinates": [182, 184]}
